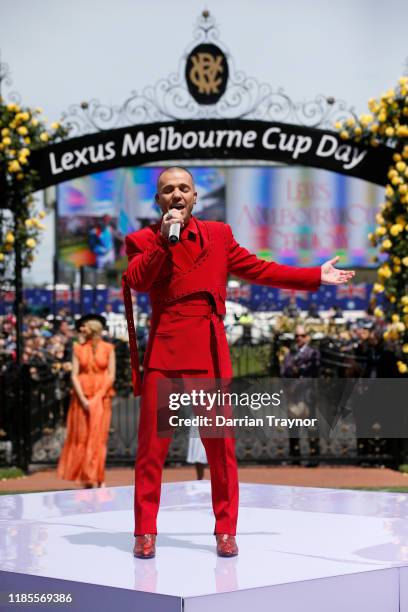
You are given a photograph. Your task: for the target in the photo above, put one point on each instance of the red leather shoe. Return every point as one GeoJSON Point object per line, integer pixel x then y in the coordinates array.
{"type": "Point", "coordinates": [226, 545]}
{"type": "Point", "coordinates": [145, 546]}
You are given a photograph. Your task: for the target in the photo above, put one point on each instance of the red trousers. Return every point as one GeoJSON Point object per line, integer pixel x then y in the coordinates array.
{"type": "Point", "coordinates": [151, 454]}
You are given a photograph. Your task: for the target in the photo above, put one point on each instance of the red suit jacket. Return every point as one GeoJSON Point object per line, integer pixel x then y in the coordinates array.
{"type": "Point", "coordinates": [182, 329]}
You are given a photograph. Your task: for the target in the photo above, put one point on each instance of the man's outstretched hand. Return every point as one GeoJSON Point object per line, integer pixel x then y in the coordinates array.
{"type": "Point", "coordinates": [332, 276]}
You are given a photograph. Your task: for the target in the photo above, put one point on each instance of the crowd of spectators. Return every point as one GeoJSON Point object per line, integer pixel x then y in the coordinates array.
{"type": "Point", "coordinates": [45, 345]}
{"type": "Point", "coordinates": [48, 344]}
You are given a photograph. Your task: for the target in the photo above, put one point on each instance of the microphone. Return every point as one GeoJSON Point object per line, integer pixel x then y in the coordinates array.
{"type": "Point", "coordinates": [174, 233]}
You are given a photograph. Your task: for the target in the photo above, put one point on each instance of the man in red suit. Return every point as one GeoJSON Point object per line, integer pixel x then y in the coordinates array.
{"type": "Point", "coordinates": [187, 287]}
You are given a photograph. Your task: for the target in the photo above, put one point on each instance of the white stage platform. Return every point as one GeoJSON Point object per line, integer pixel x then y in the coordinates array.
{"type": "Point", "coordinates": [301, 549]}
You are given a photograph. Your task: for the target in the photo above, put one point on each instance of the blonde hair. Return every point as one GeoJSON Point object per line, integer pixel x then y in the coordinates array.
{"type": "Point", "coordinates": [95, 325]}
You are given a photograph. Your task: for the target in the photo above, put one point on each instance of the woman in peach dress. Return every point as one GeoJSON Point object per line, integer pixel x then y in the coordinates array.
{"type": "Point", "coordinates": [93, 374]}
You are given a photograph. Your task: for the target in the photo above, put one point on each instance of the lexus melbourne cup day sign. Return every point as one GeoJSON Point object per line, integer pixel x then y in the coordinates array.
{"type": "Point", "coordinates": [208, 139]}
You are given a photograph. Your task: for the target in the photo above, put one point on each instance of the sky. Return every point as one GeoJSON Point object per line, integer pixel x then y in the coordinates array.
{"type": "Point", "coordinates": [61, 52]}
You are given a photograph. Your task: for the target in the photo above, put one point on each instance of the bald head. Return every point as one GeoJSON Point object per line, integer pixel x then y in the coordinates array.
{"type": "Point", "coordinates": [174, 169]}
{"type": "Point", "coordinates": [176, 190]}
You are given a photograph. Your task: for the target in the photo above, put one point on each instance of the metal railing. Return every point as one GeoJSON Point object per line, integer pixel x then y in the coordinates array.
{"type": "Point", "coordinates": [34, 404]}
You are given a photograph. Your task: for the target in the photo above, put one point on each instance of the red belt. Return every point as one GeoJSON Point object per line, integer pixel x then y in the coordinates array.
{"type": "Point", "coordinates": [191, 310]}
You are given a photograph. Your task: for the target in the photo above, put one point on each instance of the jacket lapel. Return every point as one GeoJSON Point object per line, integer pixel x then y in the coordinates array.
{"type": "Point", "coordinates": [180, 257]}
{"type": "Point", "coordinates": [203, 229]}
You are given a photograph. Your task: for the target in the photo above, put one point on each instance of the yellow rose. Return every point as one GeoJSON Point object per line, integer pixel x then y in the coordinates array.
{"type": "Point", "coordinates": [400, 326]}
{"type": "Point", "coordinates": [378, 288]}
{"type": "Point", "coordinates": [55, 125]}
{"type": "Point", "coordinates": [384, 271]}
{"type": "Point", "coordinates": [378, 312]}
{"type": "Point", "coordinates": [396, 229]}
{"type": "Point", "coordinates": [6, 141]}
{"type": "Point", "coordinates": [357, 130]}
{"type": "Point", "coordinates": [392, 299]}
{"type": "Point", "coordinates": [402, 367]}
{"type": "Point", "coordinates": [22, 159]}
{"type": "Point", "coordinates": [41, 214]}
{"type": "Point", "coordinates": [14, 166]}
{"type": "Point", "coordinates": [28, 222]}
{"type": "Point", "coordinates": [22, 130]}
{"type": "Point", "coordinates": [25, 151]}
{"type": "Point", "coordinates": [44, 137]}
{"type": "Point", "coordinates": [396, 180]}
{"type": "Point", "coordinates": [379, 218]}
{"type": "Point", "coordinates": [366, 119]}
{"type": "Point", "coordinates": [1, 256]}
{"type": "Point", "coordinates": [397, 269]}
{"type": "Point", "coordinates": [27, 140]}
{"type": "Point", "coordinates": [350, 121]}
{"type": "Point", "coordinates": [9, 238]}
{"type": "Point", "coordinates": [374, 128]}
{"type": "Point", "coordinates": [34, 122]}
{"type": "Point", "coordinates": [338, 125]}
{"type": "Point", "coordinates": [39, 110]}
{"type": "Point", "coordinates": [389, 132]}
{"type": "Point", "coordinates": [403, 189]}
{"type": "Point", "coordinates": [344, 134]}
{"type": "Point", "coordinates": [404, 300]}
{"type": "Point", "coordinates": [12, 107]}
{"type": "Point", "coordinates": [380, 231]}
{"type": "Point", "coordinates": [389, 192]}
{"type": "Point", "coordinates": [402, 130]}
{"type": "Point", "coordinates": [19, 176]}
{"type": "Point", "coordinates": [372, 103]}
{"type": "Point", "coordinates": [405, 348]}
{"type": "Point", "coordinates": [387, 244]}
{"type": "Point", "coordinates": [5, 132]}
{"type": "Point", "coordinates": [395, 318]}
{"type": "Point", "coordinates": [382, 117]}
{"type": "Point", "coordinates": [401, 166]}
{"type": "Point", "coordinates": [31, 243]}
{"type": "Point", "coordinates": [405, 261]}
{"type": "Point", "coordinates": [396, 157]}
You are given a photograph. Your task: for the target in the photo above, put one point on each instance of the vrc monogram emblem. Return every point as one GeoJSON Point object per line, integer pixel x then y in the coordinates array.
{"type": "Point", "coordinates": [206, 73]}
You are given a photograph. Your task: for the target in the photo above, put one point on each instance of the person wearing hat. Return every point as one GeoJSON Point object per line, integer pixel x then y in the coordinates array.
{"type": "Point", "coordinates": [93, 374]}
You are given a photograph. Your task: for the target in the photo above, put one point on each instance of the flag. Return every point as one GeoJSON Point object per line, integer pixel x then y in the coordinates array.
{"type": "Point", "coordinates": [351, 291]}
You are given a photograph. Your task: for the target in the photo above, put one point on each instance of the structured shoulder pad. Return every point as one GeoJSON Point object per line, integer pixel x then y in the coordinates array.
{"type": "Point", "coordinates": [141, 239]}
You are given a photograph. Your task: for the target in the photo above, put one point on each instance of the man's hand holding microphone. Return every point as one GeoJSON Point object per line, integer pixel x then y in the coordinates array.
{"type": "Point", "coordinates": [172, 222]}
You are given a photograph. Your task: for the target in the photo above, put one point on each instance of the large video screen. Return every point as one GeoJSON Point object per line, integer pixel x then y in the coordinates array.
{"type": "Point", "coordinates": [96, 212]}
{"type": "Point", "coordinates": [294, 215]}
